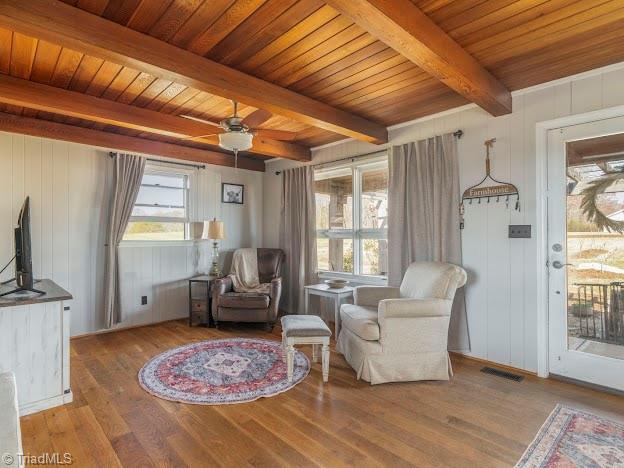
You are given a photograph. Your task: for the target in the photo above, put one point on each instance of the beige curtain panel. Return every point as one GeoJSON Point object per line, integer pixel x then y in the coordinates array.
{"type": "Point", "coordinates": [423, 216]}
{"type": "Point", "coordinates": [127, 175]}
{"type": "Point", "coordinates": [298, 235]}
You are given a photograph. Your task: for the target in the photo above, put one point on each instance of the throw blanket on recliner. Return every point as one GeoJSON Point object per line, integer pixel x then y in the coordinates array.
{"type": "Point", "coordinates": [244, 272]}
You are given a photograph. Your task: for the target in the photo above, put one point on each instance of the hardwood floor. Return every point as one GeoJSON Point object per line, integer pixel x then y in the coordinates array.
{"type": "Point", "coordinates": [474, 420]}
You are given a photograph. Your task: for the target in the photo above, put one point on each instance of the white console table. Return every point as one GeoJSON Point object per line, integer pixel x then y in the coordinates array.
{"type": "Point", "coordinates": [34, 345]}
{"type": "Point", "coordinates": [337, 295]}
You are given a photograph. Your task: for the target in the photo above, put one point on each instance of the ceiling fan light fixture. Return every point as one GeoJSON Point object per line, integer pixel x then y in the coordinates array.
{"type": "Point", "coordinates": [235, 141]}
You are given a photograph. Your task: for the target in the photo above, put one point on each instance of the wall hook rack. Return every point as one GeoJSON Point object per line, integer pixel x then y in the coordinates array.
{"type": "Point", "coordinates": [489, 187]}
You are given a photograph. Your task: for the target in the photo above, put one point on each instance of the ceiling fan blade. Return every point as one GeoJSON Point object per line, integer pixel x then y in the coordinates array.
{"type": "Point", "coordinates": [205, 135]}
{"type": "Point", "coordinates": [256, 118]}
{"type": "Point", "coordinates": [275, 134]}
{"type": "Point", "coordinates": [198, 119]}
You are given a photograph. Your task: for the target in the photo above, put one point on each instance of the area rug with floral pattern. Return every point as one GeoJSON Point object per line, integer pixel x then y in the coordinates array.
{"type": "Point", "coordinates": [215, 372]}
{"type": "Point", "coordinates": [573, 438]}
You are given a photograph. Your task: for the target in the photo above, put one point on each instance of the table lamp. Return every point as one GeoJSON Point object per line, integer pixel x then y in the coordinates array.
{"type": "Point", "coordinates": [216, 232]}
{"type": "Point", "coordinates": [198, 234]}
{"type": "Point", "coordinates": [197, 230]}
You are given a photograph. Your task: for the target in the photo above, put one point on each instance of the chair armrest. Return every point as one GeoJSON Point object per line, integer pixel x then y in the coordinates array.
{"type": "Point", "coordinates": [276, 289]}
{"type": "Point", "coordinates": [221, 286]}
{"type": "Point", "coordinates": [275, 293]}
{"type": "Point", "coordinates": [371, 295]}
{"type": "Point", "coordinates": [409, 326]}
{"type": "Point", "coordinates": [408, 308]}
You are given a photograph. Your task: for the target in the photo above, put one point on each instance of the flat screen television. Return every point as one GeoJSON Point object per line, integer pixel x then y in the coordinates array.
{"type": "Point", "coordinates": [23, 254]}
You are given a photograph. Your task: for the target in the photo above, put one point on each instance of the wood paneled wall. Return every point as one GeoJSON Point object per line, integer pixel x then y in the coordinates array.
{"type": "Point", "coordinates": [501, 294]}
{"type": "Point", "coordinates": [69, 184]}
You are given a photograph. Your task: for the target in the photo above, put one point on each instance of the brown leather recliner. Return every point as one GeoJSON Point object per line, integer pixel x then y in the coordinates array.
{"type": "Point", "coordinates": [231, 306]}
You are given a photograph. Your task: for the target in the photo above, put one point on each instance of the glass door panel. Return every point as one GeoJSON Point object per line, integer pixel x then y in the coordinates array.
{"type": "Point", "coordinates": [595, 245]}
{"type": "Point", "coordinates": [586, 252]}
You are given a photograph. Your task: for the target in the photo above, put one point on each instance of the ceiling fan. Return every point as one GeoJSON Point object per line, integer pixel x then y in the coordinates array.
{"type": "Point", "coordinates": [237, 133]}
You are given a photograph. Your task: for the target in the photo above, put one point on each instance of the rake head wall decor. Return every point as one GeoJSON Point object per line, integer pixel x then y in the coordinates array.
{"type": "Point", "coordinates": [489, 188]}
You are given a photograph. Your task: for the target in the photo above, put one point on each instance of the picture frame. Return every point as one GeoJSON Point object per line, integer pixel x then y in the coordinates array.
{"type": "Point", "coordinates": [232, 193]}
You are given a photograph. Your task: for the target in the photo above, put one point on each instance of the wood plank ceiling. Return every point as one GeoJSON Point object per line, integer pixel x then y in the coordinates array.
{"type": "Point", "coordinates": [308, 47]}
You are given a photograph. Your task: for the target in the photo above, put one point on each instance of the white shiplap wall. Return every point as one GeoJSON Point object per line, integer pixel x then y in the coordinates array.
{"type": "Point", "coordinates": [501, 294]}
{"type": "Point", "coordinates": [69, 185]}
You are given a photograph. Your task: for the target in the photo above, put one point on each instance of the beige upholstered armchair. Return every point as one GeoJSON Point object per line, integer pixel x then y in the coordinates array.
{"type": "Point", "coordinates": [400, 334]}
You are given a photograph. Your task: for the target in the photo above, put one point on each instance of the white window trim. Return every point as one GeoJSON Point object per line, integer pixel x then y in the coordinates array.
{"type": "Point", "coordinates": [168, 170]}
{"type": "Point", "coordinates": [357, 167]}
{"type": "Point", "coordinates": [157, 243]}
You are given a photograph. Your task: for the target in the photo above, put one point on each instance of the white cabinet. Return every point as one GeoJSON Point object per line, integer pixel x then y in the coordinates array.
{"type": "Point", "coordinates": [34, 345]}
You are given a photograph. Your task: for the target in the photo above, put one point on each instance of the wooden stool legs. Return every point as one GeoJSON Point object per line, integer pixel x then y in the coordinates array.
{"type": "Point", "coordinates": [288, 344]}
{"type": "Point", "coordinates": [325, 363]}
{"type": "Point", "coordinates": [290, 361]}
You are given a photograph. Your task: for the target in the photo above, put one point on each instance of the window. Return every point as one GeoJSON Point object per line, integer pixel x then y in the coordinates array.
{"type": "Point", "coordinates": [161, 210]}
{"type": "Point", "coordinates": [352, 219]}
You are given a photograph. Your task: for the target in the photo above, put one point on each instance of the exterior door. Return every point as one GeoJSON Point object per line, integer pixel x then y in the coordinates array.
{"type": "Point", "coordinates": [586, 252]}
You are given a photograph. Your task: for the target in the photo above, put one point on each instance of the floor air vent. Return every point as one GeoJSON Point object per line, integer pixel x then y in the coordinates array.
{"type": "Point", "coordinates": [503, 374]}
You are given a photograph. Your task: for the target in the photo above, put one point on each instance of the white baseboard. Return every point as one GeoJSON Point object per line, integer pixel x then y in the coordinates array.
{"type": "Point", "coordinates": [45, 404]}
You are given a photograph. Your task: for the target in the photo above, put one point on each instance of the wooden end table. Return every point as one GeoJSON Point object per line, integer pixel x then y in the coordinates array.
{"type": "Point", "coordinates": [201, 304]}
{"type": "Point", "coordinates": [333, 293]}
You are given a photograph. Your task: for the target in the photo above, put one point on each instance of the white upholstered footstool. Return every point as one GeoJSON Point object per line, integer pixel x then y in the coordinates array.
{"type": "Point", "coordinates": [305, 329]}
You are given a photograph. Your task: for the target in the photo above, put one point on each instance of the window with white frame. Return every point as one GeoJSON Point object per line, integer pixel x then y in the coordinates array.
{"type": "Point", "coordinates": [161, 211]}
{"type": "Point", "coordinates": [352, 218]}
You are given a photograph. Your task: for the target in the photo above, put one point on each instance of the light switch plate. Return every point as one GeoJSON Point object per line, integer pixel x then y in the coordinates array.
{"type": "Point", "coordinates": [520, 231]}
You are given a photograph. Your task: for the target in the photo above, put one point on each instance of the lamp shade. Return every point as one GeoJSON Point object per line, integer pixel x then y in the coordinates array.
{"type": "Point", "coordinates": [216, 229]}
{"type": "Point", "coordinates": [197, 230]}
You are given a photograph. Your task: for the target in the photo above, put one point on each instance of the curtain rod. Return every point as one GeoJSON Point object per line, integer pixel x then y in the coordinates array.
{"type": "Point", "coordinates": [458, 134]}
{"type": "Point", "coordinates": [196, 166]}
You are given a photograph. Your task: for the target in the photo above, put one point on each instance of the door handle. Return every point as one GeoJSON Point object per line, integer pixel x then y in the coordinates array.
{"type": "Point", "coordinates": [558, 265]}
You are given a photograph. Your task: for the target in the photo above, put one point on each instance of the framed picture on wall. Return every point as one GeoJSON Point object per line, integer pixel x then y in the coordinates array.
{"type": "Point", "coordinates": [232, 193]}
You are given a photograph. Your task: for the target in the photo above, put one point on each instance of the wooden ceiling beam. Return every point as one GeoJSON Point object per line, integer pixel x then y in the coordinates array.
{"type": "Point", "coordinates": [63, 24]}
{"type": "Point", "coordinates": [114, 141]}
{"type": "Point", "coordinates": [403, 26]}
{"type": "Point", "coordinates": [19, 92]}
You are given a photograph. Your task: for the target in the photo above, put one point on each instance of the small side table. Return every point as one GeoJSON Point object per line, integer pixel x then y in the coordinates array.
{"type": "Point", "coordinates": [201, 304]}
{"type": "Point", "coordinates": [335, 294]}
